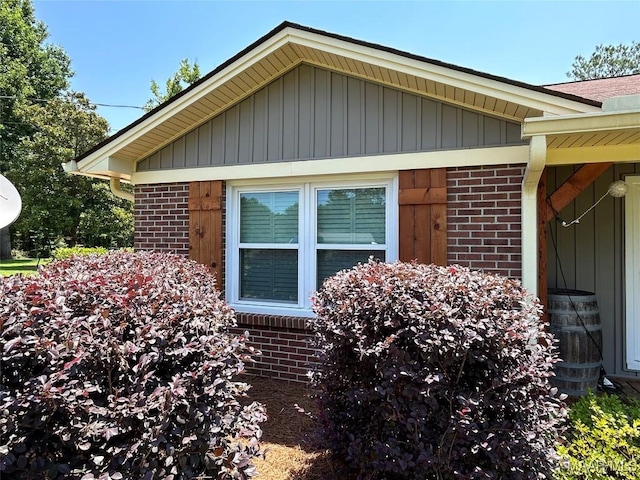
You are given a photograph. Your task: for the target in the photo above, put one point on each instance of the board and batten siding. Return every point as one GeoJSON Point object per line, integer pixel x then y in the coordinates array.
{"type": "Point", "coordinates": [312, 113]}
{"type": "Point", "coordinates": [591, 255]}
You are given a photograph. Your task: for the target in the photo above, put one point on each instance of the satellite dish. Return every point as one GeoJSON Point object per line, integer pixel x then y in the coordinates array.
{"type": "Point", "coordinates": [10, 202]}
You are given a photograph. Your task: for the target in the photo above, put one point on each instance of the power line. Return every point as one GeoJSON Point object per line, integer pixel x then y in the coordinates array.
{"type": "Point", "coordinates": [45, 100]}
{"type": "Point", "coordinates": [117, 106]}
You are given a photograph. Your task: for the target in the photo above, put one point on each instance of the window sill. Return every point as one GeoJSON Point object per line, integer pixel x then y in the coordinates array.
{"type": "Point", "coordinates": [272, 321]}
{"type": "Point", "coordinates": [272, 310]}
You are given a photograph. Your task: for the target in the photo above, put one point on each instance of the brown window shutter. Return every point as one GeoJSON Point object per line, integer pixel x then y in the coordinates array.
{"type": "Point", "coordinates": [422, 202]}
{"type": "Point", "coordinates": [205, 226]}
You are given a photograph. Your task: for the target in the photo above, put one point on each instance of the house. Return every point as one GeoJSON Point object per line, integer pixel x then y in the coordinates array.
{"type": "Point", "coordinates": [309, 151]}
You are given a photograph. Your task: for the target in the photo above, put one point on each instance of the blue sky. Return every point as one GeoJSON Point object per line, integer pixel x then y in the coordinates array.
{"type": "Point", "coordinates": [118, 46]}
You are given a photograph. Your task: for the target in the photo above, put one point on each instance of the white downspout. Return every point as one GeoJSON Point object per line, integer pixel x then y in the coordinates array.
{"type": "Point", "coordinates": [116, 189]}
{"type": "Point", "coordinates": [532, 175]}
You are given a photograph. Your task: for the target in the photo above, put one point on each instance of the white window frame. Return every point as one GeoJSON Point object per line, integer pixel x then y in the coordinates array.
{"type": "Point", "coordinates": [307, 235]}
{"type": "Point", "coordinates": [268, 246]}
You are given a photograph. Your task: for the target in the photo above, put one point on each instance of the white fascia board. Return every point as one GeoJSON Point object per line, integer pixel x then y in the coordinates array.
{"type": "Point", "coordinates": [626, 153]}
{"type": "Point", "coordinates": [113, 167]}
{"type": "Point", "coordinates": [580, 123]}
{"type": "Point", "coordinates": [184, 101]}
{"type": "Point", "coordinates": [332, 166]}
{"type": "Point", "coordinates": [523, 96]}
{"type": "Point", "coordinates": [106, 169]}
{"type": "Point", "coordinates": [99, 175]}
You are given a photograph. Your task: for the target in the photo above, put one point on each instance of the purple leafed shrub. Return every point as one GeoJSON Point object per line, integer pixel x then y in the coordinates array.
{"type": "Point", "coordinates": [122, 366]}
{"type": "Point", "coordinates": [431, 372]}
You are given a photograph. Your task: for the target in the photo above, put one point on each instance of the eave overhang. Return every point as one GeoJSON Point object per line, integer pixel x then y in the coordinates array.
{"type": "Point", "coordinates": [609, 136]}
{"type": "Point", "coordinates": [288, 46]}
{"type": "Point", "coordinates": [105, 168]}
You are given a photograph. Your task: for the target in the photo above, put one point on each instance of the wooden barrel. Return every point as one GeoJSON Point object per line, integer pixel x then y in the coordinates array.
{"type": "Point", "coordinates": [574, 319]}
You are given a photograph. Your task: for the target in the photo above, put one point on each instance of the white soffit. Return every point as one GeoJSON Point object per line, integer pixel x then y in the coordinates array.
{"type": "Point", "coordinates": [475, 83]}
{"type": "Point", "coordinates": [607, 136]}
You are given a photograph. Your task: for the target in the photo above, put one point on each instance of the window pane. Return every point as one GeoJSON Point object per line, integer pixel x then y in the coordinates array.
{"type": "Point", "coordinates": [332, 261]}
{"type": "Point", "coordinates": [351, 216]}
{"type": "Point", "coordinates": [269, 217]}
{"type": "Point", "coordinates": [269, 274]}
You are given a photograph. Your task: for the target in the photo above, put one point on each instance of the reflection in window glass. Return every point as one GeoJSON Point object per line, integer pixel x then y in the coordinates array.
{"type": "Point", "coordinates": [351, 216]}
{"type": "Point", "coordinates": [267, 274]}
{"type": "Point", "coordinates": [332, 261]}
{"type": "Point", "coordinates": [269, 217]}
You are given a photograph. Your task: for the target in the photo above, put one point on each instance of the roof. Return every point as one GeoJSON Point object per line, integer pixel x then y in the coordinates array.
{"type": "Point", "coordinates": [289, 45]}
{"type": "Point", "coordinates": [600, 89]}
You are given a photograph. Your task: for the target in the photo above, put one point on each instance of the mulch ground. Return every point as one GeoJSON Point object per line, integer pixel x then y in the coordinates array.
{"type": "Point", "coordinates": [289, 438]}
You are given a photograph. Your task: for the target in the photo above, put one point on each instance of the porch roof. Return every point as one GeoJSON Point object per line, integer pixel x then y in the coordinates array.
{"type": "Point", "coordinates": [612, 135]}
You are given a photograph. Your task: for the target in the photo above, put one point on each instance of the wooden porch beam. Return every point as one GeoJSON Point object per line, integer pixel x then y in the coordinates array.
{"type": "Point", "coordinates": [570, 189]}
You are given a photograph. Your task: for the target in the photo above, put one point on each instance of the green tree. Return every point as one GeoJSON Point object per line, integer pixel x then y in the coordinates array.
{"type": "Point", "coordinates": [42, 125]}
{"type": "Point", "coordinates": [108, 223]}
{"type": "Point", "coordinates": [185, 76]}
{"type": "Point", "coordinates": [29, 69]}
{"type": "Point", "coordinates": [58, 206]}
{"type": "Point", "coordinates": [607, 61]}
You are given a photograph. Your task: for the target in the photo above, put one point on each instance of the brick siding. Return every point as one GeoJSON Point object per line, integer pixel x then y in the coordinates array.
{"type": "Point", "coordinates": [162, 218]}
{"type": "Point", "coordinates": [484, 218]}
{"type": "Point", "coordinates": [284, 343]}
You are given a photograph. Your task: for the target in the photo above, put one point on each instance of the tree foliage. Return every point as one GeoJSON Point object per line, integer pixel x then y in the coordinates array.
{"type": "Point", "coordinates": [607, 61]}
{"type": "Point", "coordinates": [57, 204]}
{"type": "Point", "coordinates": [42, 125]}
{"type": "Point", "coordinates": [186, 75]}
{"type": "Point", "coordinates": [29, 69]}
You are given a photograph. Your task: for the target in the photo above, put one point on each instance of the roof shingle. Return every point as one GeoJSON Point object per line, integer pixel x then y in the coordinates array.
{"type": "Point", "coordinates": [601, 88]}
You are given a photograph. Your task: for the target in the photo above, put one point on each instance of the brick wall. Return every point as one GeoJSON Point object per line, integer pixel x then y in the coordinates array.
{"type": "Point", "coordinates": [484, 232]}
{"type": "Point", "coordinates": [162, 218]}
{"type": "Point", "coordinates": [284, 343]}
{"type": "Point", "coordinates": [483, 218]}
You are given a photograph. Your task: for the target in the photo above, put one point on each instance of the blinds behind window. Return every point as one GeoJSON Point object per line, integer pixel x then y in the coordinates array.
{"type": "Point", "coordinates": [269, 217]}
{"type": "Point", "coordinates": [351, 216]}
{"type": "Point", "coordinates": [332, 261]}
{"type": "Point", "coordinates": [269, 274]}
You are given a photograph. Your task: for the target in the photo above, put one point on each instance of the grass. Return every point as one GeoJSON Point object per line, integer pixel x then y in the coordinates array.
{"type": "Point", "coordinates": [26, 266]}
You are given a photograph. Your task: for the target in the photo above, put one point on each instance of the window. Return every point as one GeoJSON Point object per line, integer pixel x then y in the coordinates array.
{"type": "Point", "coordinates": [269, 246]}
{"type": "Point", "coordinates": [284, 240]}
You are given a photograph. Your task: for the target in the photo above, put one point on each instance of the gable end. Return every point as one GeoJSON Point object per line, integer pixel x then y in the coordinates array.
{"type": "Point", "coordinates": [312, 113]}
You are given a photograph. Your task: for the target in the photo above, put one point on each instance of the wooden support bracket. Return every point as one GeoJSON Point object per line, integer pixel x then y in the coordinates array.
{"type": "Point", "coordinates": [570, 189]}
